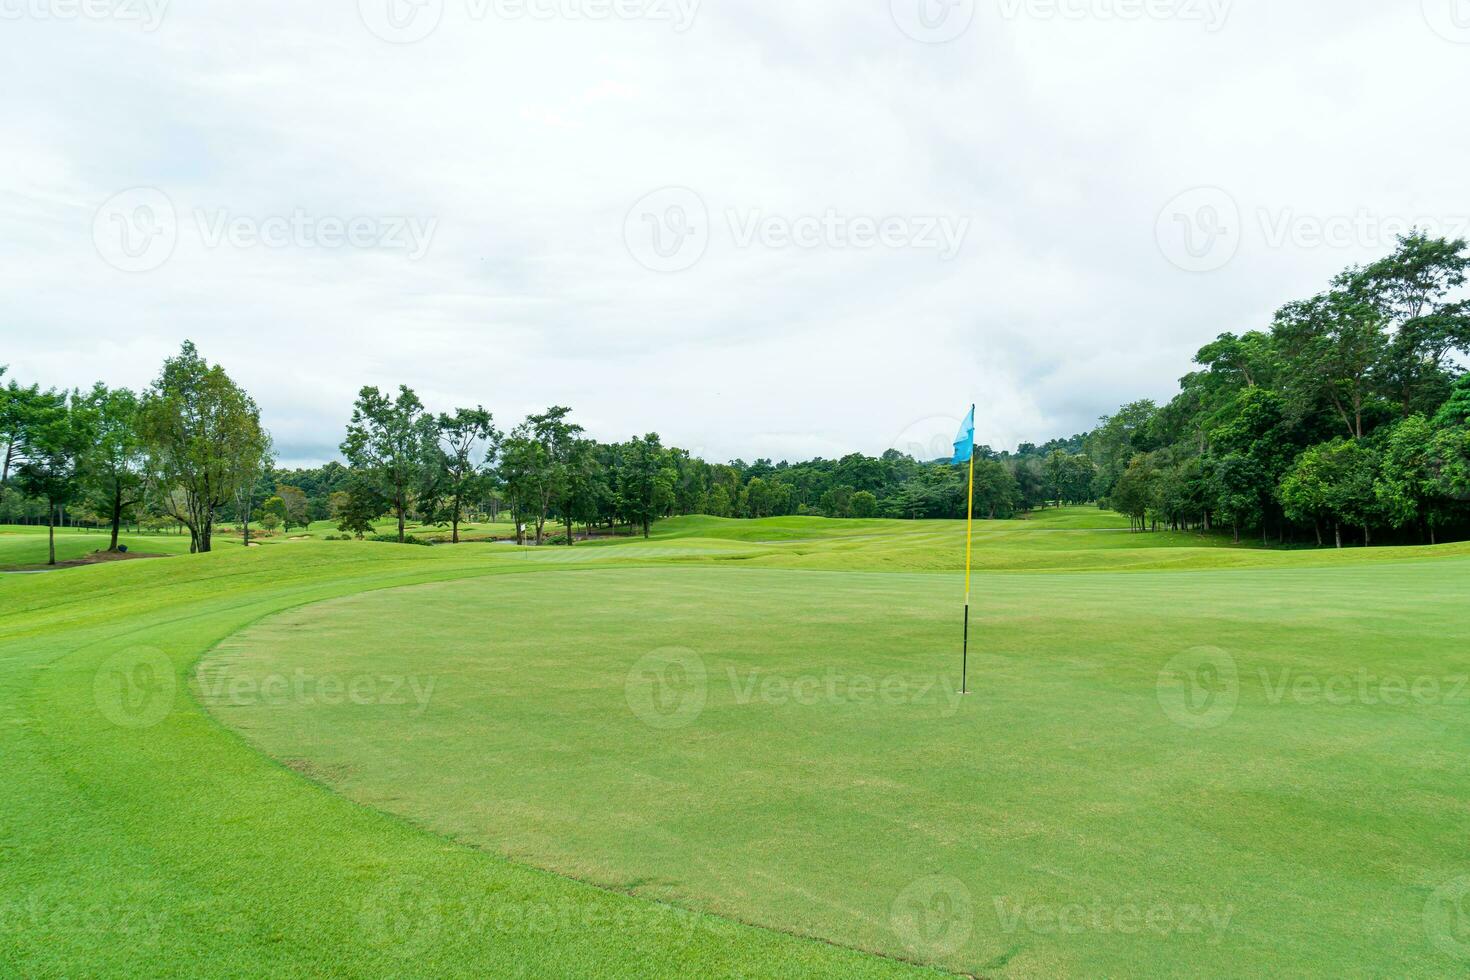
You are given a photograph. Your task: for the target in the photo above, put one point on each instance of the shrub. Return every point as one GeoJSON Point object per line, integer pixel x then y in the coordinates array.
{"type": "Point", "coordinates": [393, 539]}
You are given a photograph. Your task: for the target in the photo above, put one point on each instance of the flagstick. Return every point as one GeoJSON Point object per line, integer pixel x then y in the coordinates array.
{"type": "Point", "coordinates": [969, 540]}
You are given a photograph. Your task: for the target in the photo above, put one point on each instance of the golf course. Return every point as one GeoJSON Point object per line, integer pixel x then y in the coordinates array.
{"type": "Point", "coordinates": [737, 748]}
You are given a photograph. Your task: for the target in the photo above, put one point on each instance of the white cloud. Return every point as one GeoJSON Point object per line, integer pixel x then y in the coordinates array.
{"type": "Point", "coordinates": [527, 141]}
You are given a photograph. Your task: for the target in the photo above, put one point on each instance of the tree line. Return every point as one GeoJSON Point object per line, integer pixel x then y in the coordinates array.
{"type": "Point", "coordinates": [404, 461]}
{"type": "Point", "coordinates": [181, 450]}
{"type": "Point", "coordinates": [1350, 413]}
{"type": "Point", "coordinates": [1348, 416]}
{"type": "Point", "coordinates": [190, 452]}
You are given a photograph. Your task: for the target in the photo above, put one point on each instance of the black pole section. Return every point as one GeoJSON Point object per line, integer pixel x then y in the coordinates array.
{"type": "Point", "coordinates": [965, 662]}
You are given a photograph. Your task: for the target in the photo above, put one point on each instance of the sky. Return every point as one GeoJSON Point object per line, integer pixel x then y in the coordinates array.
{"type": "Point", "coordinates": [762, 229]}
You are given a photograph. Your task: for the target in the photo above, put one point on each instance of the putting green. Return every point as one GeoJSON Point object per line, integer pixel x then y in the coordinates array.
{"type": "Point", "coordinates": [1185, 772]}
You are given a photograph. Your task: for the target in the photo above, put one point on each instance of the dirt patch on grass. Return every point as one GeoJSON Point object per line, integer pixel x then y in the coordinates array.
{"type": "Point", "coordinates": [95, 558]}
{"type": "Point", "coordinates": [319, 773]}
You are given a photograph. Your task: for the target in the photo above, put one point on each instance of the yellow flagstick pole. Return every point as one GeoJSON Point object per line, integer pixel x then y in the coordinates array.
{"type": "Point", "coordinates": [969, 541]}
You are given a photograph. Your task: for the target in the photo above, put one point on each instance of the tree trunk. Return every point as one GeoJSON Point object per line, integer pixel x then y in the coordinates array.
{"type": "Point", "coordinates": [645, 528]}
{"type": "Point", "coordinates": [51, 534]}
{"type": "Point", "coordinates": [1337, 530]}
{"type": "Point", "coordinates": [1367, 537]}
{"type": "Point", "coordinates": [454, 533]}
{"type": "Point", "coordinates": [116, 516]}
{"type": "Point", "coordinates": [401, 522]}
{"type": "Point", "coordinates": [1317, 526]}
{"type": "Point", "coordinates": [570, 536]}
{"type": "Point", "coordinates": [1237, 533]}
{"type": "Point", "coordinates": [1431, 535]}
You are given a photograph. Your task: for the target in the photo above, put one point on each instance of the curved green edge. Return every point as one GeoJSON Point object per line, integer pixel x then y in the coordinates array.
{"type": "Point", "coordinates": [175, 849]}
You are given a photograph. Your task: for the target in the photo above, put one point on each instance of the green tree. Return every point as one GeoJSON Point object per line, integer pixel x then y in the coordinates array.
{"type": "Point", "coordinates": [1456, 410]}
{"type": "Point", "coordinates": [837, 502]}
{"type": "Point", "coordinates": [996, 491]}
{"type": "Point", "coordinates": [1408, 487]}
{"type": "Point", "coordinates": [1335, 482]}
{"type": "Point", "coordinates": [113, 464]}
{"type": "Point", "coordinates": [1417, 291]}
{"type": "Point", "coordinates": [359, 506]}
{"type": "Point", "coordinates": [391, 442]}
{"type": "Point", "coordinates": [865, 505]}
{"type": "Point", "coordinates": [646, 481]}
{"type": "Point", "coordinates": [718, 502]}
{"type": "Point", "coordinates": [22, 411]}
{"type": "Point", "coordinates": [203, 440]}
{"type": "Point", "coordinates": [536, 465]}
{"type": "Point", "coordinates": [1055, 469]}
{"type": "Point", "coordinates": [1240, 487]}
{"type": "Point", "coordinates": [1305, 490]}
{"type": "Point", "coordinates": [294, 507]}
{"type": "Point", "coordinates": [1136, 493]}
{"type": "Point", "coordinates": [469, 442]}
{"type": "Point", "coordinates": [56, 447]}
{"type": "Point", "coordinates": [1335, 345]}
{"type": "Point", "coordinates": [584, 489]}
{"type": "Point", "coordinates": [273, 513]}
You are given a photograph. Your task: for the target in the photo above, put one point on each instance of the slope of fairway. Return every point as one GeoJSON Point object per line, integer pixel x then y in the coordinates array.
{"type": "Point", "coordinates": [1058, 540]}
{"type": "Point", "coordinates": [138, 838]}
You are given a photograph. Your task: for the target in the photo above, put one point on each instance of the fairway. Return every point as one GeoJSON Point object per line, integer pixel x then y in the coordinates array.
{"type": "Point", "coordinates": [710, 751]}
{"type": "Point", "coordinates": [786, 748]}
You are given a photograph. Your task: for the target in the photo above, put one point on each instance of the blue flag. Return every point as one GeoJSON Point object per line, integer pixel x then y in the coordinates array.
{"type": "Point", "coordinates": [964, 442]}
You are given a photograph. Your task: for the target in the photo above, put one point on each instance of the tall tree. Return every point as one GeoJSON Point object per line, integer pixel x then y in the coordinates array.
{"type": "Point", "coordinates": [56, 447]}
{"type": "Point", "coordinates": [294, 506]}
{"type": "Point", "coordinates": [1417, 290]}
{"type": "Point", "coordinates": [646, 483]}
{"type": "Point", "coordinates": [203, 439]}
{"type": "Point", "coordinates": [469, 442]}
{"type": "Point", "coordinates": [543, 450]}
{"type": "Point", "coordinates": [390, 442]}
{"type": "Point", "coordinates": [1407, 488]}
{"type": "Point", "coordinates": [113, 466]}
{"type": "Point", "coordinates": [22, 410]}
{"type": "Point", "coordinates": [1335, 345]}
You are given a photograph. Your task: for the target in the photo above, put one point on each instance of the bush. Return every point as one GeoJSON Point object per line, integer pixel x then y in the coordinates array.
{"type": "Point", "coordinates": [393, 539]}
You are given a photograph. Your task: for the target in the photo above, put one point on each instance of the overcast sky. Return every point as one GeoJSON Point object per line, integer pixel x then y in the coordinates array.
{"type": "Point", "coordinates": [760, 228]}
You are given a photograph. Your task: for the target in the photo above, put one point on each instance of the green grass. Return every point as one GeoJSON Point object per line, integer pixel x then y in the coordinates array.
{"type": "Point", "coordinates": [24, 547]}
{"type": "Point", "coordinates": [547, 800]}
